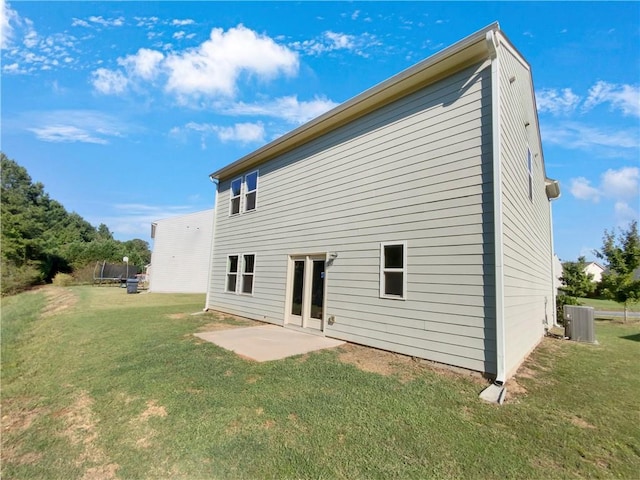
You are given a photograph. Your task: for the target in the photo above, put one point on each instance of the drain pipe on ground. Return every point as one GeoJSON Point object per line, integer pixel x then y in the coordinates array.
{"type": "Point", "coordinates": [496, 392]}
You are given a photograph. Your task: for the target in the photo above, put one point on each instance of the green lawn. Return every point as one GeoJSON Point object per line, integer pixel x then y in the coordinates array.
{"type": "Point", "coordinates": [109, 385]}
{"type": "Point", "coordinates": [601, 304]}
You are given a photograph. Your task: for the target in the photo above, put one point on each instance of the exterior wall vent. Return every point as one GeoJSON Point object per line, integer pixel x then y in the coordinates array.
{"type": "Point", "coordinates": [579, 324]}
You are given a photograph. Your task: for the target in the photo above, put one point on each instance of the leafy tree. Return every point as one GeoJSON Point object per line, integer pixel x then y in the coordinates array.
{"type": "Point", "coordinates": [621, 255]}
{"type": "Point", "coordinates": [40, 238]}
{"type": "Point", "coordinates": [577, 283]}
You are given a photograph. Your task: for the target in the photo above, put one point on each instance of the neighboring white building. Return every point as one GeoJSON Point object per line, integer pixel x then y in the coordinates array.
{"type": "Point", "coordinates": [595, 269]}
{"type": "Point", "coordinates": [415, 217]}
{"type": "Point", "coordinates": [181, 253]}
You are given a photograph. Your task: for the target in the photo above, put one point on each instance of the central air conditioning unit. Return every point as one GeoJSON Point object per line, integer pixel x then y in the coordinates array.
{"type": "Point", "coordinates": [579, 324]}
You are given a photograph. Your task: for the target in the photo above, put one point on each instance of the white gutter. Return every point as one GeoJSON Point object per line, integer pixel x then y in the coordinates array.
{"type": "Point", "coordinates": [213, 238]}
{"type": "Point", "coordinates": [493, 43]}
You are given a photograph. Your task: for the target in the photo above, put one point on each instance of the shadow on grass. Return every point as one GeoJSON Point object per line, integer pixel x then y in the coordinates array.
{"type": "Point", "coordinates": [634, 338]}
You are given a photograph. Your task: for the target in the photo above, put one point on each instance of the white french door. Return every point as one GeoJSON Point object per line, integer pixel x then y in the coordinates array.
{"type": "Point", "coordinates": [306, 291]}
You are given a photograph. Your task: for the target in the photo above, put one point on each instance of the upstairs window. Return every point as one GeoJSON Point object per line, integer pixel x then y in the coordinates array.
{"type": "Point", "coordinates": [530, 171]}
{"type": "Point", "coordinates": [243, 194]}
{"type": "Point", "coordinates": [248, 266]}
{"type": "Point", "coordinates": [232, 274]}
{"type": "Point", "coordinates": [236, 189]}
{"type": "Point", "coordinates": [251, 191]}
{"type": "Point", "coordinates": [393, 270]}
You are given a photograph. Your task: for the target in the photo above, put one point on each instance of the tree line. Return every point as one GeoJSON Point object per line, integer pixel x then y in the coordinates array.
{"type": "Point", "coordinates": [40, 238]}
{"type": "Point", "coordinates": [620, 281]}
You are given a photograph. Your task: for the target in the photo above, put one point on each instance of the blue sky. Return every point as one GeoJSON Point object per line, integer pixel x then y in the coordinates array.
{"type": "Point", "coordinates": [122, 109]}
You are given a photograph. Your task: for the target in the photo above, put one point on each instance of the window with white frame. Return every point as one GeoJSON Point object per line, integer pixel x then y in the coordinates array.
{"type": "Point", "coordinates": [250, 191]}
{"type": "Point", "coordinates": [393, 270]}
{"type": "Point", "coordinates": [530, 172]}
{"type": "Point", "coordinates": [248, 267]}
{"type": "Point", "coordinates": [235, 195]}
{"type": "Point", "coordinates": [232, 273]}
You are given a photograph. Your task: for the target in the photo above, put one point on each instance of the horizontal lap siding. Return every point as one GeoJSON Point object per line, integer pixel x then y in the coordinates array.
{"type": "Point", "coordinates": [181, 253]}
{"type": "Point", "coordinates": [417, 170]}
{"type": "Point", "coordinates": [526, 224]}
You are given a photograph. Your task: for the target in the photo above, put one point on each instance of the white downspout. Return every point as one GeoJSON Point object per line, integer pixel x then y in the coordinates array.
{"type": "Point", "coordinates": [213, 237]}
{"type": "Point", "coordinates": [493, 44]}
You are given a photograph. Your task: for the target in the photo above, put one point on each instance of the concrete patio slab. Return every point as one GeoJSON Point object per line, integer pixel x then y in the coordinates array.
{"type": "Point", "coordinates": [268, 342]}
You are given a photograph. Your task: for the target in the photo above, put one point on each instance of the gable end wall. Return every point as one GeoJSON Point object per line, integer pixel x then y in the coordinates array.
{"type": "Point", "coordinates": [528, 276]}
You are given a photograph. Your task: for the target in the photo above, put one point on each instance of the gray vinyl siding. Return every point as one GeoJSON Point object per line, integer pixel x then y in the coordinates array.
{"type": "Point", "coordinates": [181, 254]}
{"type": "Point", "coordinates": [417, 170]}
{"type": "Point", "coordinates": [528, 299]}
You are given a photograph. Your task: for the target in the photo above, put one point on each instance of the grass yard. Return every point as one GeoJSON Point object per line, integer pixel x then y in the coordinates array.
{"type": "Point", "coordinates": [98, 384]}
{"type": "Point", "coordinates": [607, 305]}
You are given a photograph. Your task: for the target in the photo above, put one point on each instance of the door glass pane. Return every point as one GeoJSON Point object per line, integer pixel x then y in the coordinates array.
{"type": "Point", "coordinates": [317, 289]}
{"type": "Point", "coordinates": [298, 284]}
{"type": "Point", "coordinates": [393, 283]}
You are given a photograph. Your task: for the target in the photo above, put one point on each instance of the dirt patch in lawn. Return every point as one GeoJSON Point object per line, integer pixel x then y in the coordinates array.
{"type": "Point", "coordinates": [404, 367]}
{"type": "Point", "coordinates": [58, 300]}
{"type": "Point", "coordinates": [81, 430]}
{"type": "Point", "coordinates": [140, 428]}
{"type": "Point", "coordinates": [224, 321]}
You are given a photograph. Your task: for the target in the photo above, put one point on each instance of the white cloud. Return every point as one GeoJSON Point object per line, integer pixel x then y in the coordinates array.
{"type": "Point", "coordinates": [8, 17]}
{"type": "Point", "coordinates": [332, 41]}
{"type": "Point", "coordinates": [622, 183]}
{"type": "Point", "coordinates": [74, 126]}
{"type": "Point", "coordinates": [288, 108]}
{"type": "Point", "coordinates": [107, 22]}
{"type": "Point", "coordinates": [575, 135]}
{"type": "Point", "coordinates": [109, 81]}
{"type": "Point", "coordinates": [78, 22]}
{"type": "Point", "coordinates": [144, 64]}
{"type": "Point", "coordinates": [180, 23]}
{"type": "Point", "coordinates": [179, 35]}
{"type": "Point", "coordinates": [66, 134]}
{"type": "Point", "coordinates": [240, 132]}
{"type": "Point", "coordinates": [623, 97]}
{"type": "Point", "coordinates": [581, 189]}
{"type": "Point", "coordinates": [214, 67]}
{"type": "Point", "coordinates": [557, 102]}
{"type": "Point", "coordinates": [624, 213]}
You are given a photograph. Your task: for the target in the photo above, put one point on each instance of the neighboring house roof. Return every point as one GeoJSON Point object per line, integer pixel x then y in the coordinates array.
{"type": "Point", "coordinates": [470, 50]}
{"type": "Point", "coordinates": [596, 265]}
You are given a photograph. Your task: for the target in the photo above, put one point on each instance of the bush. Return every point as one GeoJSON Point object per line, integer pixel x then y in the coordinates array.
{"type": "Point", "coordinates": [63, 280]}
{"type": "Point", "coordinates": [561, 301]}
{"type": "Point", "coordinates": [84, 275]}
{"type": "Point", "coordinates": [18, 278]}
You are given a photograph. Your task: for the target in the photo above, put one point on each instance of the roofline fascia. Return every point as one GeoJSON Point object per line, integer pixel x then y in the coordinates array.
{"type": "Point", "coordinates": [373, 98]}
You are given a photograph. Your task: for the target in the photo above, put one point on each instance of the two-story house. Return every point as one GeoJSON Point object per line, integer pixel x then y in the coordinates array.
{"type": "Point", "coordinates": [414, 217]}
